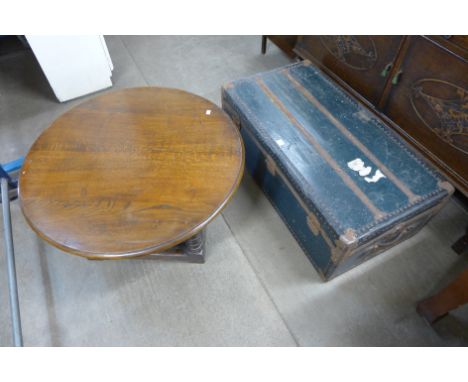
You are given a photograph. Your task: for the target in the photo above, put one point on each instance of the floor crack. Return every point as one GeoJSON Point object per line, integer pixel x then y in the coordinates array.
{"type": "Point", "coordinates": [296, 341]}
{"type": "Point", "coordinates": [134, 61]}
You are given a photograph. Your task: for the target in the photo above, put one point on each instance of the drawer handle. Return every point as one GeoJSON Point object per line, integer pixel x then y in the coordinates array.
{"type": "Point", "coordinates": [396, 77]}
{"type": "Point", "coordinates": [384, 72]}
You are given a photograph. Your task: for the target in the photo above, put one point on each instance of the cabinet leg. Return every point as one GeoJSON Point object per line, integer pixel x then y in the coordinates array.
{"type": "Point", "coordinates": [449, 298]}
{"type": "Point", "coordinates": [264, 44]}
{"type": "Point", "coordinates": [461, 245]}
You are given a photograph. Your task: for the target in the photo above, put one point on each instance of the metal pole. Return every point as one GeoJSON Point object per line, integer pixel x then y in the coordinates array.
{"type": "Point", "coordinates": [12, 286]}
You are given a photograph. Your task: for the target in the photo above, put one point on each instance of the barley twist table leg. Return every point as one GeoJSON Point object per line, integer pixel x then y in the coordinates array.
{"type": "Point", "coordinates": [191, 250]}
{"type": "Point", "coordinates": [194, 248]}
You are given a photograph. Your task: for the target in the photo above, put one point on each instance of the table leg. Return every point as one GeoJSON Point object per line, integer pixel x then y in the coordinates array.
{"type": "Point", "coordinates": [192, 250]}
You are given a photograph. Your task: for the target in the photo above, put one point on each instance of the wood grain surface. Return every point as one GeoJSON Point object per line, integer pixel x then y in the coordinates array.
{"type": "Point", "coordinates": [131, 172]}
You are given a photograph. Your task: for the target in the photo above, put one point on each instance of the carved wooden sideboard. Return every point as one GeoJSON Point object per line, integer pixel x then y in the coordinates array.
{"type": "Point", "coordinates": [417, 83]}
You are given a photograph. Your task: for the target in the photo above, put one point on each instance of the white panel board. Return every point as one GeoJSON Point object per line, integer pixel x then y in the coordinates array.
{"type": "Point", "coordinates": [74, 65]}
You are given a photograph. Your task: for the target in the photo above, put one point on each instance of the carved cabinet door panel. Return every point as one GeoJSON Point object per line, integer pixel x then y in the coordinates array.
{"type": "Point", "coordinates": [460, 41]}
{"type": "Point", "coordinates": [429, 102]}
{"type": "Point", "coordinates": [363, 62]}
{"type": "Point", "coordinates": [456, 43]}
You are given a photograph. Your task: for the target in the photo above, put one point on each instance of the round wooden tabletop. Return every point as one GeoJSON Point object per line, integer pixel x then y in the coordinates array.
{"type": "Point", "coordinates": [131, 172]}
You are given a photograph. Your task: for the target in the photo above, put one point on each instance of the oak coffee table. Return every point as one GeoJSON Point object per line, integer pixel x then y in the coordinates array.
{"type": "Point", "coordinates": [132, 173]}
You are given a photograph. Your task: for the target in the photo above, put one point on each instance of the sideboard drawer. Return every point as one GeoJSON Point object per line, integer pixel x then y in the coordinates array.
{"type": "Point", "coordinates": [429, 101]}
{"type": "Point", "coordinates": [363, 62]}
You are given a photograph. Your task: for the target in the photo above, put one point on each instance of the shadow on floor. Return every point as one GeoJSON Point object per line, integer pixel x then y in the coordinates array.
{"type": "Point", "coordinates": [18, 66]}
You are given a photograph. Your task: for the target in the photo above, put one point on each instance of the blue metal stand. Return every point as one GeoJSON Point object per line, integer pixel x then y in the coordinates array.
{"type": "Point", "coordinates": [9, 190]}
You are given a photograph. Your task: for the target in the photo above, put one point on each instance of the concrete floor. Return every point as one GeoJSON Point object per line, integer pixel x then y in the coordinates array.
{"type": "Point", "coordinates": [257, 288]}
